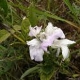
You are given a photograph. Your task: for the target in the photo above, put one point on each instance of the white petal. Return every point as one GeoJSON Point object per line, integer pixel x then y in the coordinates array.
{"type": "Point", "coordinates": [34, 30]}
{"type": "Point", "coordinates": [32, 52]}
{"type": "Point", "coordinates": [33, 42]}
{"type": "Point", "coordinates": [59, 33]}
{"type": "Point", "coordinates": [66, 42]}
{"type": "Point", "coordinates": [49, 29]}
{"type": "Point", "coordinates": [48, 41]}
{"type": "Point", "coordinates": [51, 39]}
{"type": "Point", "coordinates": [63, 42]}
{"type": "Point", "coordinates": [31, 33]}
{"type": "Point", "coordinates": [36, 53]}
{"type": "Point", "coordinates": [39, 56]}
{"type": "Point", "coordinates": [65, 52]}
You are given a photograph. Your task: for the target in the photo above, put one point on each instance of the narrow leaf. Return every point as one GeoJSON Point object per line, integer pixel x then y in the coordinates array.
{"type": "Point", "coordinates": [48, 14]}
{"type": "Point", "coordinates": [67, 2]}
{"type": "Point", "coordinates": [31, 70]}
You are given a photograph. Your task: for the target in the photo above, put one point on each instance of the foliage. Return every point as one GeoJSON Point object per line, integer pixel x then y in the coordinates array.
{"type": "Point", "coordinates": [15, 18]}
{"type": "Point", "coordinates": [74, 9]}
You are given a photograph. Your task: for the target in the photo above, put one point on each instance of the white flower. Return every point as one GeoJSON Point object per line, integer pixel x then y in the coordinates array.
{"type": "Point", "coordinates": [45, 39]}
{"type": "Point", "coordinates": [34, 30]}
{"type": "Point", "coordinates": [51, 33]}
{"type": "Point", "coordinates": [50, 30]}
{"type": "Point", "coordinates": [36, 52]}
{"type": "Point", "coordinates": [63, 44]}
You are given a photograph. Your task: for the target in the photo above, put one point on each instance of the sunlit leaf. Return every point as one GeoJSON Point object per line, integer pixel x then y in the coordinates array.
{"type": "Point", "coordinates": [17, 27]}
{"type": "Point", "coordinates": [25, 27]}
{"type": "Point", "coordinates": [4, 35]}
{"type": "Point", "coordinates": [76, 75]}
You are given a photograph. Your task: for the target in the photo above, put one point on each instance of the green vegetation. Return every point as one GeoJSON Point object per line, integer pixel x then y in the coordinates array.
{"type": "Point", "coordinates": [15, 18]}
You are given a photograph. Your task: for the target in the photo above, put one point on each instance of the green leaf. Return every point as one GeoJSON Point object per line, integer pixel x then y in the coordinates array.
{"type": "Point", "coordinates": [47, 75]}
{"type": "Point", "coordinates": [17, 27]}
{"type": "Point", "coordinates": [29, 71]}
{"type": "Point", "coordinates": [73, 10]}
{"type": "Point", "coordinates": [51, 15]}
{"type": "Point", "coordinates": [49, 67]}
{"type": "Point", "coordinates": [32, 15]}
{"type": "Point", "coordinates": [4, 69]}
{"type": "Point", "coordinates": [2, 48]}
{"type": "Point", "coordinates": [67, 2]}
{"type": "Point", "coordinates": [70, 6]}
{"type": "Point", "coordinates": [25, 27]}
{"type": "Point", "coordinates": [4, 35]}
{"type": "Point", "coordinates": [4, 6]}
{"type": "Point", "coordinates": [47, 71]}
